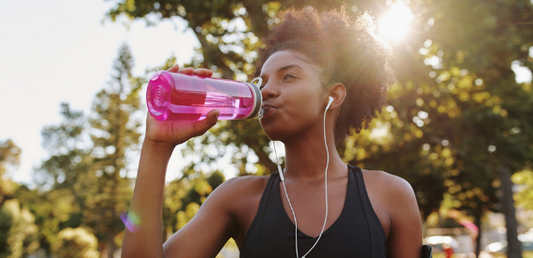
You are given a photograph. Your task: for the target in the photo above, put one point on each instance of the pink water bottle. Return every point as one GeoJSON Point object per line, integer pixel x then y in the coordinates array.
{"type": "Point", "coordinates": [178, 96]}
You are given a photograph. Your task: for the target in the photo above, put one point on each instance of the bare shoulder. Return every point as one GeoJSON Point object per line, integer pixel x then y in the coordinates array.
{"type": "Point", "coordinates": [387, 183]}
{"type": "Point", "coordinates": [238, 192]}
{"type": "Point", "coordinates": [242, 185]}
{"type": "Point", "coordinates": [240, 196]}
{"type": "Point", "coordinates": [392, 197]}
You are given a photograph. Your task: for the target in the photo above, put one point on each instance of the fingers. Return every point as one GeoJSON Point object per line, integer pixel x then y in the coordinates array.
{"type": "Point", "coordinates": [202, 72]}
{"type": "Point", "coordinates": [210, 120]}
{"type": "Point", "coordinates": [174, 69]}
{"type": "Point", "coordinates": [188, 70]}
{"type": "Point", "coordinates": [213, 115]}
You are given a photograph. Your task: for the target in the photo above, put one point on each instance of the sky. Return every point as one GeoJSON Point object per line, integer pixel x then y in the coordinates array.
{"type": "Point", "coordinates": [62, 51]}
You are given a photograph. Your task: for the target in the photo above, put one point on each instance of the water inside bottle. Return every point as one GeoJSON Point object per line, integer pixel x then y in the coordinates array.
{"type": "Point", "coordinates": [188, 97]}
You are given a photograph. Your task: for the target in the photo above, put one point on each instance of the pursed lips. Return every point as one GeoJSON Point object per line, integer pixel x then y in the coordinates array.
{"type": "Point", "coordinates": [267, 110]}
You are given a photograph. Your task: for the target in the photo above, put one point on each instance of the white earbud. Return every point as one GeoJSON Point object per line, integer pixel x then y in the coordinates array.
{"type": "Point", "coordinates": [330, 100]}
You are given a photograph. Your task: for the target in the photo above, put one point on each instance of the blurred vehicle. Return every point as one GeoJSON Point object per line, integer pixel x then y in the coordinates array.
{"type": "Point", "coordinates": [501, 247]}
{"type": "Point", "coordinates": [527, 240]}
{"type": "Point", "coordinates": [497, 247]}
{"type": "Point", "coordinates": [441, 243]}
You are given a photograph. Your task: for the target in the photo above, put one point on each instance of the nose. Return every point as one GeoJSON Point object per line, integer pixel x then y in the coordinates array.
{"type": "Point", "coordinates": [268, 91]}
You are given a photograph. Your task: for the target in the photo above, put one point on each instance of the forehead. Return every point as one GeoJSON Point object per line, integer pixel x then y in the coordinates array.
{"type": "Point", "coordinates": [285, 58]}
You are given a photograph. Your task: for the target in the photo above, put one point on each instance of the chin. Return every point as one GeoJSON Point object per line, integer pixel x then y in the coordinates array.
{"type": "Point", "coordinates": [274, 133]}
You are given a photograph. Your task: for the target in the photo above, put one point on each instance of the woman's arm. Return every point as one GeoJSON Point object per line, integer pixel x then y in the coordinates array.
{"type": "Point", "coordinates": [145, 240]}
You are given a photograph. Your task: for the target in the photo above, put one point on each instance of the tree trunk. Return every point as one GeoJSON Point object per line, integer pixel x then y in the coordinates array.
{"type": "Point", "coordinates": [103, 249]}
{"type": "Point", "coordinates": [514, 247]}
{"type": "Point", "coordinates": [477, 222]}
{"type": "Point", "coordinates": [112, 247]}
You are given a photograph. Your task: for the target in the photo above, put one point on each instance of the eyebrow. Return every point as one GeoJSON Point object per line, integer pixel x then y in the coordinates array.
{"type": "Point", "coordinates": [287, 67]}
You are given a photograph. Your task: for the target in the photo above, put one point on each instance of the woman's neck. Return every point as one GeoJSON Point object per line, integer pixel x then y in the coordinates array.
{"type": "Point", "coordinates": [305, 157]}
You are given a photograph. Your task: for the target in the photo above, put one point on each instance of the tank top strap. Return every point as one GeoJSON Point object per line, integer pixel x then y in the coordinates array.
{"type": "Point", "coordinates": [378, 241]}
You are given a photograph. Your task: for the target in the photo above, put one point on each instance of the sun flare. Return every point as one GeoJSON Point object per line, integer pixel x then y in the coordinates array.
{"type": "Point", "coordinates": [394, 25]}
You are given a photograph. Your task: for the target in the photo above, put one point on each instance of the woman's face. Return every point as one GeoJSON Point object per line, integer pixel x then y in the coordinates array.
{"type": "Point", "coordinates": [293, 97]}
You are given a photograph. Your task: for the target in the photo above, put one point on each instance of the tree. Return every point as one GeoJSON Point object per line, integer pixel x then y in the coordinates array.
{"type": "Point", "coordinates": [18, 236]}
{"type": "Point", "coordinates": [9, 157]}
{"type": "Point", "coordinates": [478, 107]}
{"type": "Point", "coordinates": [524, 196]}
{"type": "Point", "coordinates": [18, 233]}
{"type": "Point", "coordinates": [183, 197]}
{"type": "Point", "coordinates": [469, 114]}
{"type": "Point", "coordinates": [114, 132]}
{"type": "Point", "coordinates": [76, 242]}
{"type": "Point", "coordinates": [67, 144]}
{"type": "Point", "coordinates": [63, 178]}
{"type": "Point", "coordinates": [84, 181]}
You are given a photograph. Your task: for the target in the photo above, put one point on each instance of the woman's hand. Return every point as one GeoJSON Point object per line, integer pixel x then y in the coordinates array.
{"type": "Point", "coordinates": [174, 132]}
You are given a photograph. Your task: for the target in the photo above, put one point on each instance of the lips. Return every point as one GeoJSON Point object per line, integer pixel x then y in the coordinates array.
{"type": "Point", "coordinates": [266, 111]}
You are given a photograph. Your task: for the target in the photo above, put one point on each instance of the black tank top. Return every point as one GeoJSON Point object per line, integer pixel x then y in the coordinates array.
{"type": "Point", "coordinates": [357, 232]}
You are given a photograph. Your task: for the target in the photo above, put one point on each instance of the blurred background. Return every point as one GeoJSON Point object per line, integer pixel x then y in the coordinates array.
{"type": "Point", "coordinates": [458, 124]}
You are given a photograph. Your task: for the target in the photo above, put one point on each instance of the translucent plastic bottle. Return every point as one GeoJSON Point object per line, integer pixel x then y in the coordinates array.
{"type": "Point", "coordinates": [177, 96]}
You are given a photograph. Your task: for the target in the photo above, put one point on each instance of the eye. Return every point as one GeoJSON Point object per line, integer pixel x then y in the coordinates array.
{"type": "Point", "coordinates": [288, 76]}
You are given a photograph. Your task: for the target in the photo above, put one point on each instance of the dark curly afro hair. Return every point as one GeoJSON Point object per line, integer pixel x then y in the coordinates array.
{"type": "Point", "coordinates": [346, 51]}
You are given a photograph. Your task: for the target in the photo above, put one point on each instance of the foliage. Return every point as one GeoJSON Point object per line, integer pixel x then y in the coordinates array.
{"type": "Point", "coordinates": [524, 196]}
{"type": "Point", "coordinates": [53, 210]}
{"type": "Point", "coordinates": [114, 132]}
{"type": "Point", "coordinates": [478, 109]}
{"type": "Point", "coordinates": [76, 243]}
{"type": "Point", "coordinates": [84, 181]}
{"type": "Point", "coordinates": [18, 234]}
{"type": "Point", "coordinates": [184, 196]}
{"type": "Point", "coordinates": [9, 158]}
{"type": "Point", "coordinates": [63, 178]}
{"type": "Point", "coordinates": [69, 161]}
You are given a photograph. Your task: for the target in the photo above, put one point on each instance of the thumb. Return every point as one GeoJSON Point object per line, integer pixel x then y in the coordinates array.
{"type": "Point", "coordinates": [209, 121]}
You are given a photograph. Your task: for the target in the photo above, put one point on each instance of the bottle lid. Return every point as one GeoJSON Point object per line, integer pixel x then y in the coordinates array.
{"type": "Point", "coordinates": [258, 97]}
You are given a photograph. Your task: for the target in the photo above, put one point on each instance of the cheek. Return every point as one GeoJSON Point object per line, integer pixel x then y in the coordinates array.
{"type": "Point", "coordinates": [301, 115]}
{"type": "Point", "coordinates": [305, 105]}
{"type": "Point", "coordinates": [295, 118]}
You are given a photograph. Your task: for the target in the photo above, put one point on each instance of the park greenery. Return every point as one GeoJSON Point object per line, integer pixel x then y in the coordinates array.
{"type": "Point", "coordinates": [458, 126]}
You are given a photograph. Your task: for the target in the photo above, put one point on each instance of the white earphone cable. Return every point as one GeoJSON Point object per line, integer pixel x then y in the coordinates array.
{"type": "Point", "coordinates": [325, 186]}
{"type": "Point", "coordinates": [282, 177]}
{"type": "Point", "coordinates": [289, 201]}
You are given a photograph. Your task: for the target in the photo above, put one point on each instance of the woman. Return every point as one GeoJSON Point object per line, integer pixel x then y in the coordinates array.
{"type": "Point", "coordinates": [309, 58]}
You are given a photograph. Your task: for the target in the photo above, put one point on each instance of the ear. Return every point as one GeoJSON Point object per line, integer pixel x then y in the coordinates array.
{"type": "Point", "coordinates": [338, 92]}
